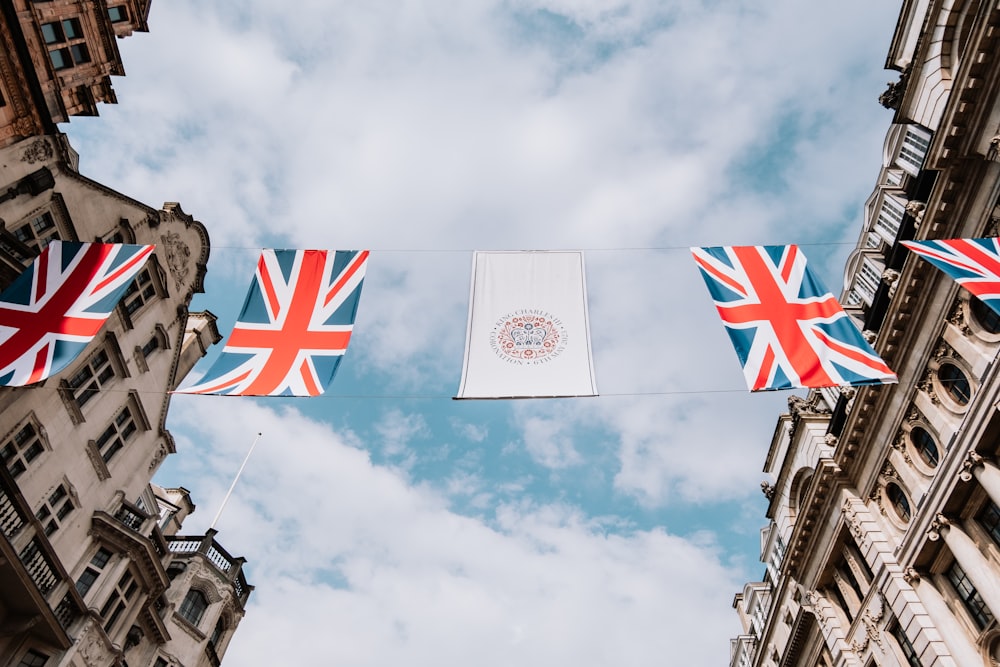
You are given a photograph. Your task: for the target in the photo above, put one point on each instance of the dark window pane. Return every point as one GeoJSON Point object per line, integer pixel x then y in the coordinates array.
{"type": "Point", "coordinates": [52, 33]}
{"type": "Point", "coordinates": [71, 28]}
{"type": "Point", "coordinates": [924, 443]}
{"type": "Point", "coordinates": [61, 58]}
{"type": "Point", "coordinates": [955, 383]}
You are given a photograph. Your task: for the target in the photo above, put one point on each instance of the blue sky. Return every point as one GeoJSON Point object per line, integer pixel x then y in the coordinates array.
{"type": "Point", "coordinates": [386, 524]}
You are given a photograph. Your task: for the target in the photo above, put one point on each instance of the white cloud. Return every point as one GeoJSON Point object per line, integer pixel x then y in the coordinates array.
{"type": "Point", "coordinates": [433, 129]}
{"type": "Point", "coordinates": [362, 568]}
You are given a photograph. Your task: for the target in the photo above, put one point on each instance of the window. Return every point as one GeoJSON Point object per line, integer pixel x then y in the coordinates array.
{"type": "Point", "coordinates": [914, 149]}
{"type": "Point", "coordinates": [93, 571]}
{"type": "Point", "coordinates": [193, 607]}
{"type": "Point", "coordinates": [89, 380]}
{"type": "Point", "coordinates": [989, 519]}
{"type": "Point", "coordinates": [118, 13]}
{"type": "Point", "coordinates": [220, 628]}
{"type": "Point", "coordinates": [140, 292]}
{"type": "Point", "coordinates": [923, 442]}
{"type": "Point", "coordinates": [955, 383]}
{"type": "Point", "coordinates": [21, 449]}
{"type": "Point", "coordinates": [65, 32]}
{"type": "Point", "coordinates": [985, 317]}
{"type": "Point", "coordinates": [52, 33]}
{"type": "Point", "coordinates": [38, 231]}
{"type": "Point", "coordinates": [33, 659]}
{"type": "Point", "coordinates": [905, 646]}
{"type": "Point", "coordinates": [160, 662]}
{"type": "Point", "coordinates": [118, 600]}
{"type": "Point", "coordinates": [117, 434]}
{"type": "Point", "coordinates": [897, 498]}
{"type": "Point", "coordinates": [890, 215]}
{"type": "Point", "coordinates": [56, 508]}
{"type": "Point", "coordinates": [152, 345]}
{"type": "Point", "coordinates": [969, 595]}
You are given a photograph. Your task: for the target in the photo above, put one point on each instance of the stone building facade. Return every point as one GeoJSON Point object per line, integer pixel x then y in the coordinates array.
{"type": "Point", "coordinates": [93, 569]}
{"type": "Point", "coordinates": [883, 539]}
{"type": "Point", "coordinates": [57, 58]}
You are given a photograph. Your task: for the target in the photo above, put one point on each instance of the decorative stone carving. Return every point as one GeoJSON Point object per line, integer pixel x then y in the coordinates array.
{"type": "Point", "coordinates": [768, 489]}
{"type": "Point", "coordinates": [899, 444]}
{"type": "Point", "coordinates": [853, 522]}
{"type": "Point", "coordinates": [178, 255]}
{"type": "Point", "coordinates": [940, 522]}
{"type": "Point", "coordinates": [911, 576]}
{"type": "Point", "coordinates": [894, 91]}
{"type": "Point", "coordinates": [830, 440]}
{"type": "Point", "coordinates": [38, 150]}
{"type": "Point", "coordinates": [869, 336]}
{"type": "Point", "coordinates": [870, 619]}
{"type": "Point", "coordinates": [916, 210]}
{"type": "Point", "coordinates": [159, 455]}
{"type": "Point", "coordinates": [972, 460]}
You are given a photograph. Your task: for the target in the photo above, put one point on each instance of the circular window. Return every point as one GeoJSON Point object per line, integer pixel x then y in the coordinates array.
{"type": "Point", "coordinates": [926, 448]}
{"type": "Point", "coordinates": [985, 317]}
{"type": "Point", "coordinates": [897, 498]}
{"type": "Point", "coordinates": [955, 383]}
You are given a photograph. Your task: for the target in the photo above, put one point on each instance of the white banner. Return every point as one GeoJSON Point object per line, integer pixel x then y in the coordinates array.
{"type": "Point", "coordinates": [528, 333]}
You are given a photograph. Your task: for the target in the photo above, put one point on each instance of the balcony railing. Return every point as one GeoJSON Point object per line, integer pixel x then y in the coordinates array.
{"type": "Point", "coordinates": [229, 567]}
{"type": "Point", "coordinates": [131, 516]}
{"type": "Point", "coordinates": [23, 532]}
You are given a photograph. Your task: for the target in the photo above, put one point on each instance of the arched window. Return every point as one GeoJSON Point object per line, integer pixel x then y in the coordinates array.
{"type": "Point", "coordinates": [955, 383]}
{"type": "Point", "coordinates": [924, 443]}
{"type": "Point", "coordinates": [193, 607]}
{"type": "Point", "coordinates": [220, 628]}
{"type": "Point", "coordinates": [985, 316]}
{"type": "Point", "coordinates": [897, 498]}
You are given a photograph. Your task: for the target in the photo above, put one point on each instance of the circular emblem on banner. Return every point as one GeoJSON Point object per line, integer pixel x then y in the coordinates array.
{"type": "Point", "coordinates": [528, 337]}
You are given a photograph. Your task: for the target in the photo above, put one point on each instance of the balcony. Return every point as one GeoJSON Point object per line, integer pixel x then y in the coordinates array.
{"type": "Point", "coordinates": [35, 589]}
{"type": "Point", "coordinates": [228, 567]}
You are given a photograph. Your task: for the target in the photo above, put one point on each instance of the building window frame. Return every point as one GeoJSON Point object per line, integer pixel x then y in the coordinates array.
{"type": "Point", "coordinates": [68, 38]}
{"type": "Point", "coordinates": [119, 600]}
{"type": "Point", "coordinates": [23, 446]}
{"type": "Point", "coordinates": [982, 320]}
{"type": "Point", "coordinates": [58, 504]}
{"type": "Point", "coordinates": [118, 14]}
{"type": "Point", "coordinates": [92, 572]}
{"type": "Point", "coordinates": [33, 658]}
{"type": "Point", "coordinates": [193, 606]}
{"type": "Point", "coordinates": [972, 601]}
{"type": "Point", "coordinates": [148, 286]}
{"type": "Point", "coordinates": [953, 383]}
{"type": "Point", "coordinates": [924, 448]}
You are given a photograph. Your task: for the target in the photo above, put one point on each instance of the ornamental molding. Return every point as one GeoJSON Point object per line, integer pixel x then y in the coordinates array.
{"type": "Point", "coordinates": [939, 526]}
{"type": "Point", "coordinates": [177, 256]}
{"type": "Point", "coordinates": [870, 620]}
{"type": "Point", "coordinates": [972, 461]}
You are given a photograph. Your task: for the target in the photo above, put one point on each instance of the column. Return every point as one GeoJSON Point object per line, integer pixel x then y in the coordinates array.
{"type": "Point", "coordinates": [985, 472]}
{"type": "Point", "coordinates": [951, 631]}
{"type": "Point", "coordinates": [980, 571]}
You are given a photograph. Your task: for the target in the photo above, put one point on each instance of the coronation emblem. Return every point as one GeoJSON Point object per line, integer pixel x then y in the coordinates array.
{"type": "Point", "coordinates": [528, 337]}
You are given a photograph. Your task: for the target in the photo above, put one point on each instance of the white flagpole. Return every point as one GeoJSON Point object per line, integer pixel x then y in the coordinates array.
{"type": "Point", "coordinates": [233, 485]}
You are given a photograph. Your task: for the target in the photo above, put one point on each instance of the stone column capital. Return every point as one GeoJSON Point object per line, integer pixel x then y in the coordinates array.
{"type": "Point", "coordinates": [939, 527]}
{"type": "Point", "coordinates": [911, 576]}
{"type": "Point", "coordinates": [972, 461]}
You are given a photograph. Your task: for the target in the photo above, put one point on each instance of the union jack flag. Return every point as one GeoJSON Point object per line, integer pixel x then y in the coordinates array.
{"type": "Point", "coordinates": [52, 311]}
{"type": "Point", "coordinates": [294, 328]}
{"type": "Point", "coordinates": [972, 263]}
{"type": "Point", "coordinates": [787, 329]}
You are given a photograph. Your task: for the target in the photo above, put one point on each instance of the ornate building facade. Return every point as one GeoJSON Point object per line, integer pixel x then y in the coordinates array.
{"type": "Point", "coordinates": [93, 570]}
{"type": "Point", "coordinates": [883, 539]}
